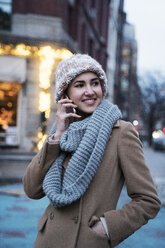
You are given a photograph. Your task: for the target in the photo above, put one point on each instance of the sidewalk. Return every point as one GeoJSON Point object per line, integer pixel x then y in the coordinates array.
{"type": "Point", "coordinates": [13, 166]}
{"type": "Point", "coordinates": [19, 216]}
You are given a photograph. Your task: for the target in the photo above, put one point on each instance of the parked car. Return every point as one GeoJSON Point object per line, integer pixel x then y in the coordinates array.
{"type": "Point", "coordinates": [159, 143]}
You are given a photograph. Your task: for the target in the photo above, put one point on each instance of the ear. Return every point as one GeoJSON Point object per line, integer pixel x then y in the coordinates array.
{"type": "Point", "coordinates": [64, 96]}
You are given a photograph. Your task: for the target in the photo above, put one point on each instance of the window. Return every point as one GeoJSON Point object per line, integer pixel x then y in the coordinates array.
{"type": "Point", "coordinates": [8, 112]}
{"type": "Point", "coordinates": [5, 14]}
{"type": "Point", "coordinates": [124, 84]}
{"type": "Point", "coordinates": [126, 52]}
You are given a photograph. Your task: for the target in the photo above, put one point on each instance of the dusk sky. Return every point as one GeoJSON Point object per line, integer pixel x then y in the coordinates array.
{"type": "Point", "coordinates": [148, 17]}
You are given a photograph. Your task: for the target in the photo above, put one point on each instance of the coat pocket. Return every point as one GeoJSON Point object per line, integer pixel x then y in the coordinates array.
{"type": "Point", "coordinates": [42, 222]}
{"type": "Point", "coordinates": [93, 220]}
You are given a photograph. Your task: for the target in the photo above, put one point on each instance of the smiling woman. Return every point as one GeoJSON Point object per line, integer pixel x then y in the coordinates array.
{"type": "Point", "coordinates": [83, 164]}
{"type": "Point", "coordinates": [86, 92]}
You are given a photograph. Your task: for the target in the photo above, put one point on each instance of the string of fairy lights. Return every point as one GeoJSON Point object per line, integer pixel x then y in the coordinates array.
{"type": "Point", "coordinates": [48, 55]}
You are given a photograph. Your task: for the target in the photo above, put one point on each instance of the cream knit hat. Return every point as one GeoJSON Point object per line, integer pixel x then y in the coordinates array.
{"type": "Point", "coordinates": [70, 68]}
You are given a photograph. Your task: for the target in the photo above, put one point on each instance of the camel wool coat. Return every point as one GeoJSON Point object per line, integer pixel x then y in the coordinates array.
{"type": "Point", "coordinates": [70, 226]}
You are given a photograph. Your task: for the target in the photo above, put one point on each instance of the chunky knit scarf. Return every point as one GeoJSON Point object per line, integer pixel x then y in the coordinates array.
{"type": "Point", "coordinates": [86, 140]}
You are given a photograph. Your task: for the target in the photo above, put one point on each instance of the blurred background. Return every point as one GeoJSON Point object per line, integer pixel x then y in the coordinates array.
{"type": "Point", "coordinates": [126, 36]}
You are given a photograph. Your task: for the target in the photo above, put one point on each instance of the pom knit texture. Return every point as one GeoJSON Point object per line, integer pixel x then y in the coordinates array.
{"type": "Point", "coordinates": [86, 140]}
{"type": "Point", "coordinates": [67, 70]}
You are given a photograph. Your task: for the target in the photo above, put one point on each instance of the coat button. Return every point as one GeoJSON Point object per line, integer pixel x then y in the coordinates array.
{"type": "Point", "coordinates": [75, 219]}
{"type": "Point", "coordinates": [51, 215]}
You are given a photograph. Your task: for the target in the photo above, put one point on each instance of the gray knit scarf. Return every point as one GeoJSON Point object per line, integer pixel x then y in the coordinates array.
{"type": "Point", "coordinates": [86, 140]}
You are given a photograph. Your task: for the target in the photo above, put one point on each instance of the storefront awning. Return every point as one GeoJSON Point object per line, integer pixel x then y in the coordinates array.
{"type": "Point", "coordinates": [12, 69]}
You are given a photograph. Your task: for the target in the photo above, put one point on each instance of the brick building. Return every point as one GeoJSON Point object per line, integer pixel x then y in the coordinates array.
{"type": "Point", "coordinates": [81, 25]}
{"type": "Point", "coordinates": [34, 36]}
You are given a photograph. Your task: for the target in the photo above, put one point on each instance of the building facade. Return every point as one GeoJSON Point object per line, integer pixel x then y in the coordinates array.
{"type": "Point", "coordinates": [114, 46]}
{"type": "Point", "coordinates": [129, 94]}
{"type": "Point", "coordinates": [34, 36]}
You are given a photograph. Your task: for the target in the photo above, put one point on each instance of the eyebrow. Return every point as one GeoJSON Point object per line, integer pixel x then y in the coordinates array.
{"type": "Point", "coordinates": [94, 79]}
{"type": "Point", "coordinates": [82, 81]}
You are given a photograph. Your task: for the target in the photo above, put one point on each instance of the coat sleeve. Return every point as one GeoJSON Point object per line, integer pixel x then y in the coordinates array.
{"type": "Point", "coordinates": [36, 170]}
{"type": "Point", "coordinates": [144, 204]}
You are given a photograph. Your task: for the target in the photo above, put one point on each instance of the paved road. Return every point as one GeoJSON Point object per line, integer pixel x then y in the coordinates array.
{"type": "Point", "coordinates": [156, 162]}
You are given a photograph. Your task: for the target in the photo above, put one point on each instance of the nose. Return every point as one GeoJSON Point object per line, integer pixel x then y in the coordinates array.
{"type": "Point", "coordinates": [89, 90]}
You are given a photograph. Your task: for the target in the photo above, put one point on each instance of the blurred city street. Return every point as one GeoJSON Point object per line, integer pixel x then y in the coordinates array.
{"type": "Point", "coordinates": [19, 214]}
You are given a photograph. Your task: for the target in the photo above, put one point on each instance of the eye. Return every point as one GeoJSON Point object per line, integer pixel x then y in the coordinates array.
{"type": "Point", "coordinates": [96, 83]}
{"type": "Point", "coordinates": [79, 85]}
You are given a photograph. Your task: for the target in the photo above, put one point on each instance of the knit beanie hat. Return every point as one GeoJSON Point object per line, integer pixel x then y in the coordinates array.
{"type": "Point", "coordinates": [70, 68]}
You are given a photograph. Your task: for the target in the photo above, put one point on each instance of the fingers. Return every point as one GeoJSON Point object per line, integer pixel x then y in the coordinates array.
{"type": "Point", "coordinates": [99, 228]}
{"type": "Point", "coordinates": [66, 103]}
{"type": "Point", "coordinates": [65, 100]}
{"type": "Point", "coordinates": [67, 107]}
{"type": "Point", "coordinates": [65, 111]}
{"type": "Point", "coordinates": [68, 115]}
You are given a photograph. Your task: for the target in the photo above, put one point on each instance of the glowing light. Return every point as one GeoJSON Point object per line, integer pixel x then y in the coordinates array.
{"type": "Point", "coordinates": [39, 135]}
{"type": "Point", "coordinates": [47, 113]}
{"type": "Point", "coordinates": [65, 54]}
{"type": "Point", "coordinates": [2, 94]}
{"type": "Point", "coordinates": [44, 101]}
{"type": "Point", "coordinates": [9, 104]}
{"type": "Point", "coordinates": [41, 141]}
{"type": "Point", "coordinates": [49, 57]}
{"type": "Point", "coordinates": [135, 123]}
{"type": "Point", "coordinates": [156, 134]}
{"type": "Point", "coordinates": [21, 50]}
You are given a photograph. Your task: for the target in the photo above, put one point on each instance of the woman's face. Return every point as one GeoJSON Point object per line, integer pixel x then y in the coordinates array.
{"type": "Point", "coordinates": [86, 92]}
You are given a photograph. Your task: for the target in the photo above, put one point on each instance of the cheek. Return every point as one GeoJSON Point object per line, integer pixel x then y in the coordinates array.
{"type": "Point", "coordinates": [100, 92]}
{"type": "Point", "coordinates": [74, 95]}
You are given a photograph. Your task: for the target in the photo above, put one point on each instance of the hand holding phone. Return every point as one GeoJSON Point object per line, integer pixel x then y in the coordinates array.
{"type": "Point", "coordinates": [70, 109]}
{"type": "Point", "coordinates": [65, 114]}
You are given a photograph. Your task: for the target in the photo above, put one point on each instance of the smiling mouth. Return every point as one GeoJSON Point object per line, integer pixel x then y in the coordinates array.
{"type": "Point", "coordinates": [89, 100]}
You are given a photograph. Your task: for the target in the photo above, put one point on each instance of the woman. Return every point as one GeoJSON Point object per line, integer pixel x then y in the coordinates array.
{"type": "Point", "coordinates": [84, 163]}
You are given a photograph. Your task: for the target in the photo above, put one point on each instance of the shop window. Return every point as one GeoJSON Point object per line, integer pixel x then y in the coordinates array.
{"type": "Point", "coordinates": [5, 14]}
{"type": "Point", "coordinates": [8, 113]}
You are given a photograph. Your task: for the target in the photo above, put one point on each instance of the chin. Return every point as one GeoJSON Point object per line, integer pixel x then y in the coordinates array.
{"type": "Point", "coordinates": [85, 112]}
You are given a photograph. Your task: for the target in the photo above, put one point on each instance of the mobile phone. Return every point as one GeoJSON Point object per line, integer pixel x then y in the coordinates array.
{"type": "Point", "coordinates": [70, 109]}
